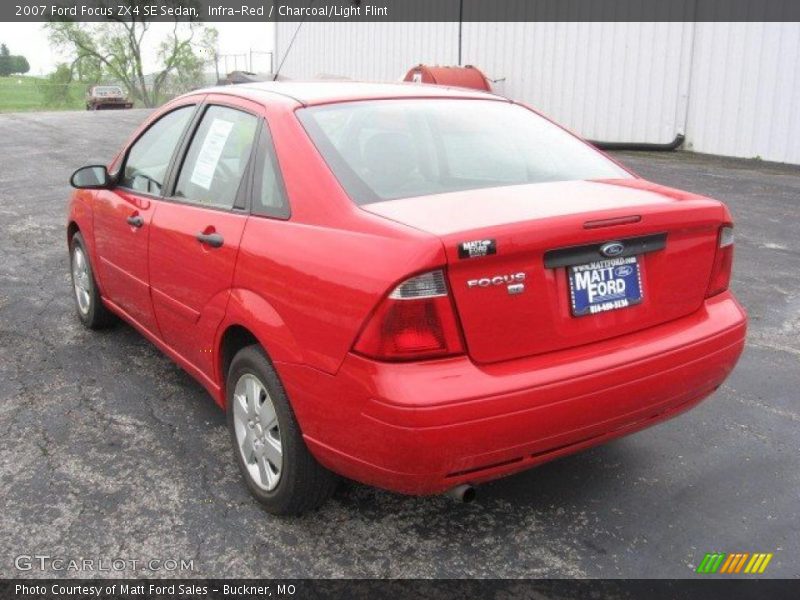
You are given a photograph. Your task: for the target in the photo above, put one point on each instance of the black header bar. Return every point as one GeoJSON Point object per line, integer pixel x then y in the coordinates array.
{"type": "Point", "coordinates": [400, 10]}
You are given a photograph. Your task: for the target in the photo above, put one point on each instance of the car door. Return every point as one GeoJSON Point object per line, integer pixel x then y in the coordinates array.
{"type": "Point", "coordinates": [122, 215]}
{"type": "Point", "coordinates": [194, 237]}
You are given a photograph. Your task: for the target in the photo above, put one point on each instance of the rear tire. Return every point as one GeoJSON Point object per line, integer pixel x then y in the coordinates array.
{"type": "Point", "coordinates": [91, 310]}
{"type": "Point", "coordinates": [268, 445]}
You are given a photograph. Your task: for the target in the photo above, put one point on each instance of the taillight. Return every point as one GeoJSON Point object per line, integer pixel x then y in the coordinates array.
{"type": "Point", "coordinates": [415, 321]}
{"type": "Point", "coordinates": [723, 262]}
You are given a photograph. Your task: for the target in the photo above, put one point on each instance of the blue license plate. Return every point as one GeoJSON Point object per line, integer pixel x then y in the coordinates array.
{"type": "Point", "coordinates": [604, 285]}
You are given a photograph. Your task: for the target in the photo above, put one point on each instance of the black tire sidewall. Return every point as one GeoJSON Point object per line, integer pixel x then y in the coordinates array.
{"type": "Point", "coordinates": [253, 361]}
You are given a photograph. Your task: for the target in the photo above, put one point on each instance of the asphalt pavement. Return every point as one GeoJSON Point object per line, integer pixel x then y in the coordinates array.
{"type": "Point", "coordinates": [110, 451]}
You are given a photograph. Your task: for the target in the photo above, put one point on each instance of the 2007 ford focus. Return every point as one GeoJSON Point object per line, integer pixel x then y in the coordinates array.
{"type": "Point", "coordinates": [415, 287]}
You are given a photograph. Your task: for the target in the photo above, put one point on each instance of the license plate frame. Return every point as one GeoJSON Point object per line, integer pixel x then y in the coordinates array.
{"type": "Point", "coordinates": [605, 285]}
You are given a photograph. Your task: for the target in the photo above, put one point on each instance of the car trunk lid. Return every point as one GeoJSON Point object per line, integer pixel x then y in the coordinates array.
{"type": "Point", "coordinates": [510, 251]}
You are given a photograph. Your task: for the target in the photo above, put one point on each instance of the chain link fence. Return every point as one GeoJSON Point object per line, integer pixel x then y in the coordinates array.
{"type": "Point", "coordinates": [22, 93]}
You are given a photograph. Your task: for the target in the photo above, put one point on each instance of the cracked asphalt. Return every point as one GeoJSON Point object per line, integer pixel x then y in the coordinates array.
{"type": "Point", "coordinates": [108, 450]}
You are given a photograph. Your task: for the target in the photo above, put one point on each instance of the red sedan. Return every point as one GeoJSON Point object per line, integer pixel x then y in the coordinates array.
{"type": "Point", "coordinates": [415, 287]}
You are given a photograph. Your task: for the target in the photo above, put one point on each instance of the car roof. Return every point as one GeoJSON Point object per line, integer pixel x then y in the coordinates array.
{"type": "Point", "coordinates": [324, 92]}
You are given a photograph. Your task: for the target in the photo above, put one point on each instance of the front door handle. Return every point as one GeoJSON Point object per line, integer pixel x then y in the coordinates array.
{"type": "Point", "coordinates": [135, 221]}
{"type": "Point", "coordinates": [214, 240]}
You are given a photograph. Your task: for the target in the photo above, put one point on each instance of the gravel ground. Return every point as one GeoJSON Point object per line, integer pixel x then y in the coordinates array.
{"type": "Point", "coordinates": [109, 450]}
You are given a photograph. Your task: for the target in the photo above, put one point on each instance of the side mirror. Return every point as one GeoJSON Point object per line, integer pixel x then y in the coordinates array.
{"type": "Point", "coordinates": [93, 177]}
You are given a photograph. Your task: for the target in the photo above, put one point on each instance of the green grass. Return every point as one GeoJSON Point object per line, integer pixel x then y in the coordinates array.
{"type": "Point", "coordinates": [21, 93]}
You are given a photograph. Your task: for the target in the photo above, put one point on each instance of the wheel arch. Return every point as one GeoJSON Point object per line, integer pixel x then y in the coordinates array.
{"type": "Point", "coordinates": [72, 229]}
{"type": "Point", "coordinates": [233, 339]}
{"type": "Point", "coordinates": [251, 319]}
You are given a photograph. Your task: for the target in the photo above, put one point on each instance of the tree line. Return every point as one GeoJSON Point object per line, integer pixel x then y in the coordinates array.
{"type": "Point", "coordinates": [112, 52]}
{"type": "Point", "coordinates": [11, 64]}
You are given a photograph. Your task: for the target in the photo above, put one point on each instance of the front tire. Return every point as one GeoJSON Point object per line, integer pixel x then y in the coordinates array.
{"type": "Point", "coordinates": [91, 310]}
{"type": "Point", "coordinates": [267, 442]}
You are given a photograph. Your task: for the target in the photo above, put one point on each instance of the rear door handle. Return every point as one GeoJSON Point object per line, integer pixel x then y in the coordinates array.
{"type": "Point", "coordinates": [214, 240]}
{"type": "Point", "coordinates": [135, 221]}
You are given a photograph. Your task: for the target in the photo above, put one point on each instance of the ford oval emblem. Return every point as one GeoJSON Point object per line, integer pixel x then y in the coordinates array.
{"type": "Point", "coordinates": [612, 249]}
{"type": "Point", "coordinates": [623, 271]}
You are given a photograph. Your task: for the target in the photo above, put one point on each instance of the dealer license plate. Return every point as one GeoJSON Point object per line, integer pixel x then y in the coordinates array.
{"type": "Point", "coordinates": [604, 285]}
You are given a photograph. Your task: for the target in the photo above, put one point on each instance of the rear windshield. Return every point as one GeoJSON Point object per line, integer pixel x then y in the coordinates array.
{"type": "Point", "coordinates": [388, 149]}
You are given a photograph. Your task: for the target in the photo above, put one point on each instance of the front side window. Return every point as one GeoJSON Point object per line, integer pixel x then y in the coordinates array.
{"type": "Point", "coordinates": [217, 158]}
{"type": "Point", "coordinates": [388, 149]}
{"type": "Point", "coordinates": [149, 156]}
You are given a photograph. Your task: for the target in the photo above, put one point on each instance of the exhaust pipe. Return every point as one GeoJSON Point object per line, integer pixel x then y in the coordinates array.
{"type": "Point", "coordinates": [463, 493]}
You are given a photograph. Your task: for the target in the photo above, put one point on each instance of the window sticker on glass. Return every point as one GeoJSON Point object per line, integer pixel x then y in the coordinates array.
{"type": "Point", "coordinates": [210, 153]}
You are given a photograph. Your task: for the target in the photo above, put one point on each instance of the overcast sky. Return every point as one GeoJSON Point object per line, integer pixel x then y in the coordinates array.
{"type": "Point", "coordinates": [30, 40]}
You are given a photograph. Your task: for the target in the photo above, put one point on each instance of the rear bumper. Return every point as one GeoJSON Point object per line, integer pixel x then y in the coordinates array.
{"type": "Point", "coordinates": [111, 104]}
{"type": "Point", "coordinates": [425, 427]}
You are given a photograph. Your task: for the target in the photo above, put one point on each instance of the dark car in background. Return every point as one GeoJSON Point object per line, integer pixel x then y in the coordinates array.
{"type": "Point", "coordinates": [107, 96]}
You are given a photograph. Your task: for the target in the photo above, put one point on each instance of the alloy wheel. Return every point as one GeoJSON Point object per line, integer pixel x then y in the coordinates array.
{"type": "Point", "coordinates": [258, 434]}
{"type": "Point", "coordinates": [81, 280]}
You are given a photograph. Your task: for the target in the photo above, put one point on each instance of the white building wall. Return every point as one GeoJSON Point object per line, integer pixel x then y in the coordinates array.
{"type": "Point", "coordinates": [745, 90]}
{"type": "Point", "coordinates": [607, 81]}
{"type": "Point", "coordinates": [732, 88]}
{"type": "Point", "coordinates": [368, 51]}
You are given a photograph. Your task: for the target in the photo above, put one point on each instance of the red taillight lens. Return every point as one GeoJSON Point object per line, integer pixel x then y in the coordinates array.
{"type": "Point", "coordinates": [723, 262]}
{"type": "Point", "coordinates": [415, 321]}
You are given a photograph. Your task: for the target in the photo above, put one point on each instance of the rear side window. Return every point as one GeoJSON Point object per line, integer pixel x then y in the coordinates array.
{"type": "Point", "coordinates": [149, 156]}
{"type": "Point", "coordinates": [269, 195]}
{"type": "Point", "coordinates": [387, 149]}
{"type": "Point", "coordinates": [217, 158]}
